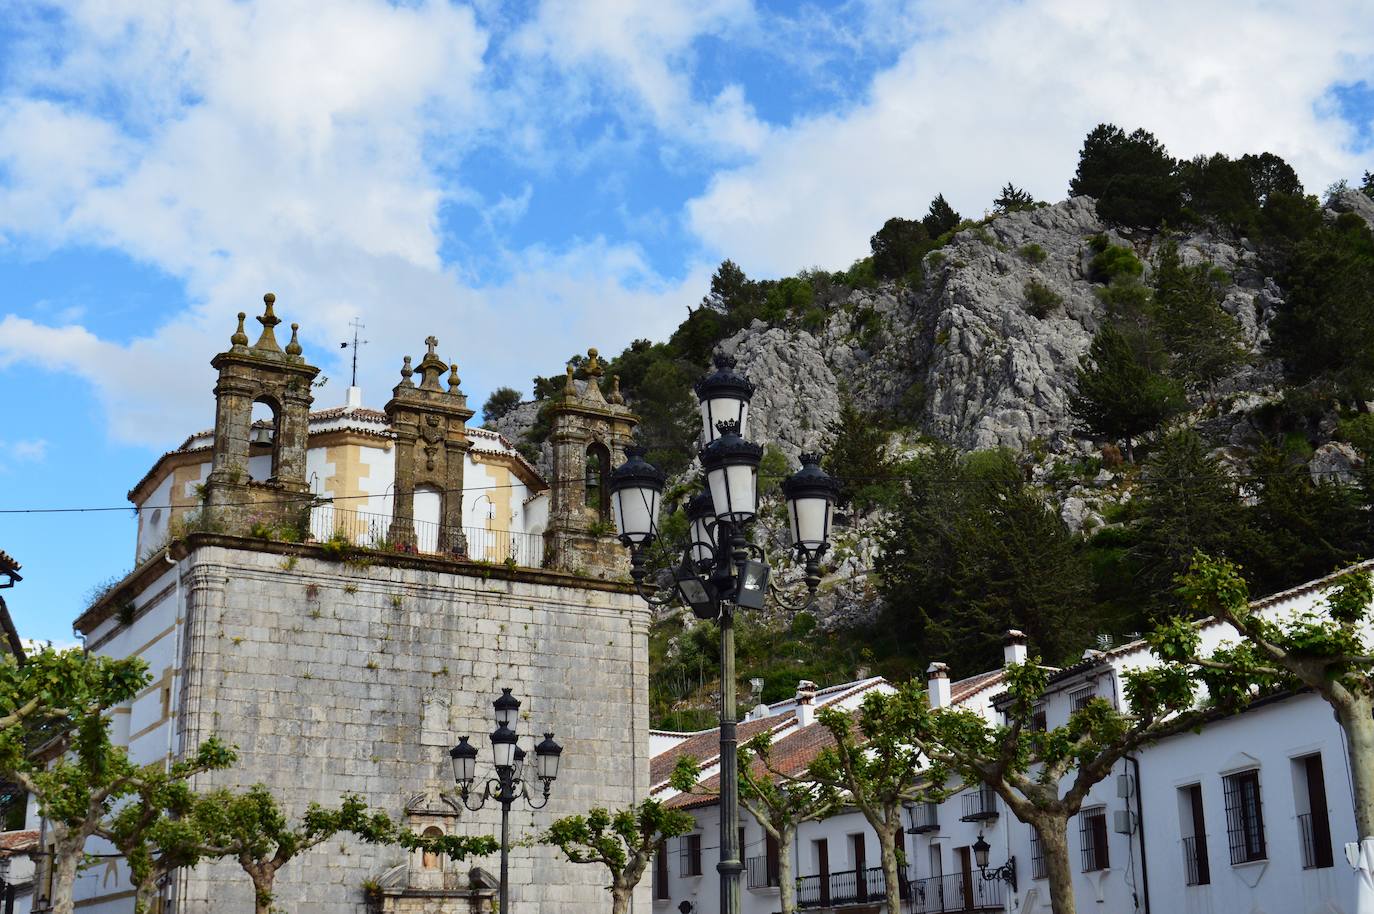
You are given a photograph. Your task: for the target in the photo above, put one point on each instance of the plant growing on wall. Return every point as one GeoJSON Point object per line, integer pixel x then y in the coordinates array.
{"type": "Point", "coordinates": [1329, 651]}
{"type": "Point", "coordinates": [55, 743]}
{"type": "Point", "coordinates": [622, 841]}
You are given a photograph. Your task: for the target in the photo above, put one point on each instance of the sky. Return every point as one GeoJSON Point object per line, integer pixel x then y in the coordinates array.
{"type": "Point", "coordinates": [525, 180]}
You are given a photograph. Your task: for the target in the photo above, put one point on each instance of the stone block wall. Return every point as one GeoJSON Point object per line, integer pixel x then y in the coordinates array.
{"type": "Point", "coordinates": [332, 678]}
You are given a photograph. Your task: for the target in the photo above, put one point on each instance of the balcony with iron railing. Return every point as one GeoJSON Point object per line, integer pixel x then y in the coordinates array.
{"type": "Point", "coordinates": [957, 892]}
{"type": "Point", "coordinates": [980, 805]}
{"type": "Point", "coordinates": [761, 872]}
{"type": "Point", "coordinates": [925, 817]}
{"type": "Point", "coordinates": [374, 531]}
{"type": "Point", "coordinates": [844, 888]}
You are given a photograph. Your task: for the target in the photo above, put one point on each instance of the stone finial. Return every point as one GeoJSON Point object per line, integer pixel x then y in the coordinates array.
{"type": "Point", "coordinates": [453, 378]}
{"type": "Point", "coordinates": [593, 367]}
{"type": "Point", "coordinates": [570, 386]}
{"type": "Point", "coordinates": [406, 373]}
{"type": "Point", "coordinates": [293, 348]}
{"type": "Point", "coordinates": [239, 339]}
{"type": "Point", "coordinates": [616, 398]}
{"type": "Point", "coordinates": [269, 320]}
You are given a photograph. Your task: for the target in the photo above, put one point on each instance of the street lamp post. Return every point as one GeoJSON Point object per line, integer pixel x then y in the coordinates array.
{"type": "Point", "coordinates": [509, 783]}
{"type": "Point", "coordinates": [720, 571]}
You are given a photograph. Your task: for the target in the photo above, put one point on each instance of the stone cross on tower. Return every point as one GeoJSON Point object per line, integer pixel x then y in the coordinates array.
{"type": "Point", "coordinates": [431, 446]}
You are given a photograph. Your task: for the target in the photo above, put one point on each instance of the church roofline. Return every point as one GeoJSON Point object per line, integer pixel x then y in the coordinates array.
{"type": "Point", "coordinates": [143, 576]}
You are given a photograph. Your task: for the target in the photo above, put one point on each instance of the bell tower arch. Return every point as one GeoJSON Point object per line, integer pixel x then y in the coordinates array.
{"type": "Point", "coordinates": [280, 379]}
{"type": "Point", "coordinates": [431, 446]}
{"type": "Point", "coordinates": [590, 431]}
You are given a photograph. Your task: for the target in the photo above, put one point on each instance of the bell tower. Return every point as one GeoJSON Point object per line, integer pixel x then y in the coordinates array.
{"type": "Point", "coordinates": [281, 380]}
{"type": "Point", "coordinates": [431, 446]}
{"type": "Point", "coordinates": [590, 431]}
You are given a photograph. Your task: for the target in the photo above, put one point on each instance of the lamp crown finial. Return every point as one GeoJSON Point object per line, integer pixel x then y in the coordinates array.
{"type": "Point", "coordinates": [722, 360]}
{"type": "Point", "coordinates": [810, 459]}
{"type": "Point", "coordinates": [728, 427]}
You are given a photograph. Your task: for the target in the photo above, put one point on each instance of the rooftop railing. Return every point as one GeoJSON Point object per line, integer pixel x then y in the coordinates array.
{"type": "Point", "coordinates": [375, 531]}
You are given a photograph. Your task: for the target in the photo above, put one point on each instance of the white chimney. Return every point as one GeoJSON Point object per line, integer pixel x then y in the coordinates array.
{"type": "Point", "coordinates": [937, 685]}
{"type": "Point", "coordinates": [1013, 647]}
{"type": "Point", "coordinates": [806, 703]}
{"type": "Point", "coordinates": [355, 398]}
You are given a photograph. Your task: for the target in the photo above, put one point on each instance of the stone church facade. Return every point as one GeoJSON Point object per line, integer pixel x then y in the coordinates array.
{"type": "Point", "coordinates": [351, 665]}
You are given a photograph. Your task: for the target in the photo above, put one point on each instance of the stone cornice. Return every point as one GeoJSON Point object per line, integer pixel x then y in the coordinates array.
{"type": "Point", "coordinates": [138, 580]}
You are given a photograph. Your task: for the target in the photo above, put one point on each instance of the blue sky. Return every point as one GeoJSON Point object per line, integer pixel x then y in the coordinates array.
{"type": "Point", "coordinates": [526, 180]}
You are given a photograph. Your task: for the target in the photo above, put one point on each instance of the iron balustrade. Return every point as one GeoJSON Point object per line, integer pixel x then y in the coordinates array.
{"type": "Point", "coordinates": [1309, 843]}
{"type": "Point", "coordinates": [957, 892]}
{"type": "Point", "coordinates": [979, 804]}
{"type": "Point", "coordinates": [373, 531]}
{"type": "Point", "coordinates": [925, 817]}
{"type": "Point", "coordinates": [1196, 868]}
{"type": "Point", "coordinates": [760, 874]}
{"type": "Point", "coordinates": [849, 887]}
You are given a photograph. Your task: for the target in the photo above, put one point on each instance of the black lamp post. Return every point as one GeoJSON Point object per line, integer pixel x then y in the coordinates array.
{"type": "Point", "coordinates": [509, 782]}
{"type": "Point", "coordinates": [720, 570]}
{"type": "Point", "coordinates": [1006, 872]}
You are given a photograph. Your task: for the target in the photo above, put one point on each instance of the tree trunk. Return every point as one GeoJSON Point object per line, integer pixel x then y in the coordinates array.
{"type": "Point", "coordinates": [145, 895]}
{"type": "Point", "coordinates": [262, 891]}
{"type": "Point", "coordinates": [787, 886]}
{"type": "Point", "coordinates": [1357, 719]}
{"type": "Point", "coordinates": [67, 857]}
{"type": "Point", "coordinates": [620, 899]}
{"type": "Point", "coordinates": [1054, 844]}
{"type": "Point", "coordinates": [890, 881]}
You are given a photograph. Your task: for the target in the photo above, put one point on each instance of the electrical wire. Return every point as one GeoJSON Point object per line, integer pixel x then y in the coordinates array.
{"type": "Point", "coordinates": [762, 476]}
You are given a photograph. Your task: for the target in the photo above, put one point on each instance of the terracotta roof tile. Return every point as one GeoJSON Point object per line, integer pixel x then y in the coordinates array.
{"type": "Point", "coordinates": [17, 842]}
{"type": "Point", "coordinates": [705, 746]}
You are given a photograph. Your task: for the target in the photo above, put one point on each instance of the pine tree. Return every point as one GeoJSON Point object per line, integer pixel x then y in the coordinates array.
{"type": "Point", "coordinates": [940, 218]}
{"type": "Point", "coordinates": [1013, 199]}
{"type": "Point", "coordinates": [1132, 177]}
{"type": "Point", "coordinates": [1203, 339]}
{"type": "Point", "coordinates": [898, 247]}
{"type": "Point", "coordinates": [1187, 501]}
{"type": "Point", "coordinates": [1123, 390]}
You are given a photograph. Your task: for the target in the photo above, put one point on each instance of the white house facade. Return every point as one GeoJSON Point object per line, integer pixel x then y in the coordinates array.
{"type": "Point", "coordinates": [1251, 814]}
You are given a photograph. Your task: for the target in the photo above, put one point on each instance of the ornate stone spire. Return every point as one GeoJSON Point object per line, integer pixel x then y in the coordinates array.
{"type": "Point", "coordinates": [240, 339]}
{"type": "Point", "coordinates": [453, 379]}
{"type": "Point", "coordinates": [406, 373]}
{"type": "Point", "coordinates": [293, 348]}
{"type": "Point", "coordinates": [268, 341]}
{"type": "Point", "coordinates": [593, 367]}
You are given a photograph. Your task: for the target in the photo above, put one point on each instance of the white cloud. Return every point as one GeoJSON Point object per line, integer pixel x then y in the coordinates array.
{"type": "Point", "coordinates": [641, 52]}
{"type": "Point", "coordinates": [997, 92]}
{"type": "Point", "coordinates": [297, 147]}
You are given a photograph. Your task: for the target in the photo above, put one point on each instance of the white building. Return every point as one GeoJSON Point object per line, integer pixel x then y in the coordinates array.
{"type": "Point", "coordinates": [1249, 815]}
